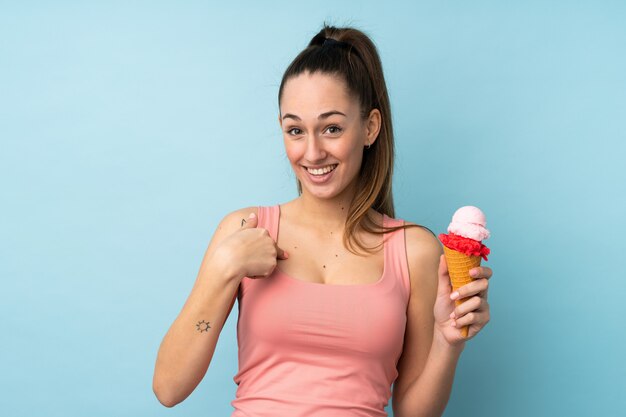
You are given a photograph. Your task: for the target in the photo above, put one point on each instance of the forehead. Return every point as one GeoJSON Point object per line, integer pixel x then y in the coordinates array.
{"type": "Point", "coordinates": [309, 94]}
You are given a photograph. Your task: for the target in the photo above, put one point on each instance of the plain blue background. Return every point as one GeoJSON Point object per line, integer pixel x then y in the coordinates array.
{"type": "Point", "coordinates": [128, 130]}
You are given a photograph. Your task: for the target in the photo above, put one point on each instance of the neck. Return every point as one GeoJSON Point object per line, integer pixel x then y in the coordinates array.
{"type": "Point", "coordinates": [329, 214]}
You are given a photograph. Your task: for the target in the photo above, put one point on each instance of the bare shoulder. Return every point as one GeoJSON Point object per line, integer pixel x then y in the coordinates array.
{"type": "Point", "coordinates": [232, 221]}
{"type": "Point", "coordinates": [423, 250]}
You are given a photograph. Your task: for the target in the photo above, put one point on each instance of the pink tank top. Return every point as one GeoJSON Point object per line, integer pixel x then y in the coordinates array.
{"type": "Point", "coordinates": [311, 349]}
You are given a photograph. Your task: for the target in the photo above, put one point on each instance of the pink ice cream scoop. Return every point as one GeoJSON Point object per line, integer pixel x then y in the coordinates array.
{"type": "Point", "coordinates": [469, 222]}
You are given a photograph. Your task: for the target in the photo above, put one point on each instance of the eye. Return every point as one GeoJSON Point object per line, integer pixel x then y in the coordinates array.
{"type": "Point", "coordinates": [292, 129]}
{"type": "Point", "coordinates": [336, 130]}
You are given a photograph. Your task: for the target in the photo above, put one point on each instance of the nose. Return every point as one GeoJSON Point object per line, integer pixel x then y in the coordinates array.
{"type": "Point", "coordinates": [314, 150]}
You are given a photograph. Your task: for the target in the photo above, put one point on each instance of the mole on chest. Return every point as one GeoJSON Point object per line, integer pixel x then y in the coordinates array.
{"type": "Point", "coordinates": [320, 256]}
{"type": "Point", "coordinates": [331, 267]}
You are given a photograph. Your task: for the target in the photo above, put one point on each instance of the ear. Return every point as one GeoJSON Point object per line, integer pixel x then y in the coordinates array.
{"type": "Point", "coordinates": [373, 124]}
{"type": "Point", "coordinates": [280, 122]}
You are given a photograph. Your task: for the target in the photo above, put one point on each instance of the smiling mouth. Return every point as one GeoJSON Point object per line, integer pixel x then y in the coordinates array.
{"type": "Point", "coordinates": [321, 171]}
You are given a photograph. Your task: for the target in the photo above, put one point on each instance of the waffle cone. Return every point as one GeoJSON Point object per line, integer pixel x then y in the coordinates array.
{"type": "Point", "coordinates": [459, 266]}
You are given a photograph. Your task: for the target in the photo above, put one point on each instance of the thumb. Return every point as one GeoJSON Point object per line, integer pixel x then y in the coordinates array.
{"type": "Point", "coordinates": [282, 254]}
{"type": "Point", "coordinates": [251, 222]}
{"type": "Point", "coordinates": [444, 286]}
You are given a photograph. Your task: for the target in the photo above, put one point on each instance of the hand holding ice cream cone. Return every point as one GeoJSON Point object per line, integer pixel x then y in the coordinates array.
{"type": "Point", "coordinates": [463, 251]}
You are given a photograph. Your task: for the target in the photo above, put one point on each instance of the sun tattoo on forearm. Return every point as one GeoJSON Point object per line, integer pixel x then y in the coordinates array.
{"type": "Point", "coordinates": [203, 326]}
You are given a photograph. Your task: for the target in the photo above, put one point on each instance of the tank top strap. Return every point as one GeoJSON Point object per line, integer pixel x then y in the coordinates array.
{"type": "Point", "coordinates": [268, 217]}
{"type": "Point", "coordinates": [395, 254]}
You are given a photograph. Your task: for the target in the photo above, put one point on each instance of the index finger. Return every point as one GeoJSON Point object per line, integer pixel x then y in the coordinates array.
{"type": "Point", "coordinates": [481, 272]}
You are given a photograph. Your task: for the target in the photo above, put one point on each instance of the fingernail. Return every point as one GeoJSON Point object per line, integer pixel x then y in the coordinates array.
{"type": "Point", "coordinates": [252, 215]}
{"type": "Point", "coordinates": [452, 315]}
{"type": "Point", "coordinates": [286, 254]}
{"type": "Point", "coordinates": [453, 323]}
{"type": "Point", "coordinates": [474, 273]}
{"type": "Point", "coordinates": [454, 295]}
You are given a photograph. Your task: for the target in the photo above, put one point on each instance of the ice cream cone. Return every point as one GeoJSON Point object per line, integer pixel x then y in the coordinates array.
{"type": "Point", "coordinates": [459, 266]}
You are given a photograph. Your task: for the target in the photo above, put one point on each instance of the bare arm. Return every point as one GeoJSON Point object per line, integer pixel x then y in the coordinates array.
{"type": "Point", "coordinates": [187, 349]}
{"type": "Point", "coordinates": [429, 394]}
{"type": "Point", "coordinates": [427, 365]}
{"type": "Point", "coordinates": [433, 341]}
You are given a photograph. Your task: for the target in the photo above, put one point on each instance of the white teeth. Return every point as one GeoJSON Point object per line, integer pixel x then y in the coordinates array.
{"type": "Point", "coordinates": [322, 171]}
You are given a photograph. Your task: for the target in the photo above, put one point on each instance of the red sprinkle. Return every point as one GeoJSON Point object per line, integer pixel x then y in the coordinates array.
{"type": "Point", "coordinates": [464, 245]}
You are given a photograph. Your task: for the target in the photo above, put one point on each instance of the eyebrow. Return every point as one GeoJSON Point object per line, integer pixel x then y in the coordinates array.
{"type": "Point", "coordinates": [320, 117]}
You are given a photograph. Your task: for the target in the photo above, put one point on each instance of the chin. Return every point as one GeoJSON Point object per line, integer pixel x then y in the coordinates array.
{"type": "Point", "coordinates": [324, 194]}
{"type": "Point", "coordinates": [326, 191]}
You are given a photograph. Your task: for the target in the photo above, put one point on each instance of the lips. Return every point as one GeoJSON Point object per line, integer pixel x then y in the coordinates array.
{"type": "Point", "coordinates": [321, 170]}
{"type": "Point", "coordinates": [320, 179]}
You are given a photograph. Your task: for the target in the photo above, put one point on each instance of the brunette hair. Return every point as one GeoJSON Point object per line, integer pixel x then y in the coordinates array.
{"type": "Point", "coordinates": [351, 55]}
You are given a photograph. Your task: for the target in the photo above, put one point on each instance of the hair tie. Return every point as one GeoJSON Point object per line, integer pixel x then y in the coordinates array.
{"type": "Point", "coordinates": [331, 41]}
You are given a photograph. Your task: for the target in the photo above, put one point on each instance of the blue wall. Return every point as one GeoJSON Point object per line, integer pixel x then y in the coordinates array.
{"type": "Point", "coordinates": [127, 131]}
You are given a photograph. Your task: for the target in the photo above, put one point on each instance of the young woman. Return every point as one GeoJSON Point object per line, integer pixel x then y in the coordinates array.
{"type": "Point", "coordinates": [338, 300]}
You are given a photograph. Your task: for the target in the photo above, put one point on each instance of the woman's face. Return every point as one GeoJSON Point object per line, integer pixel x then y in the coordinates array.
{"type": "Point", "coordinates": [324, 133]}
